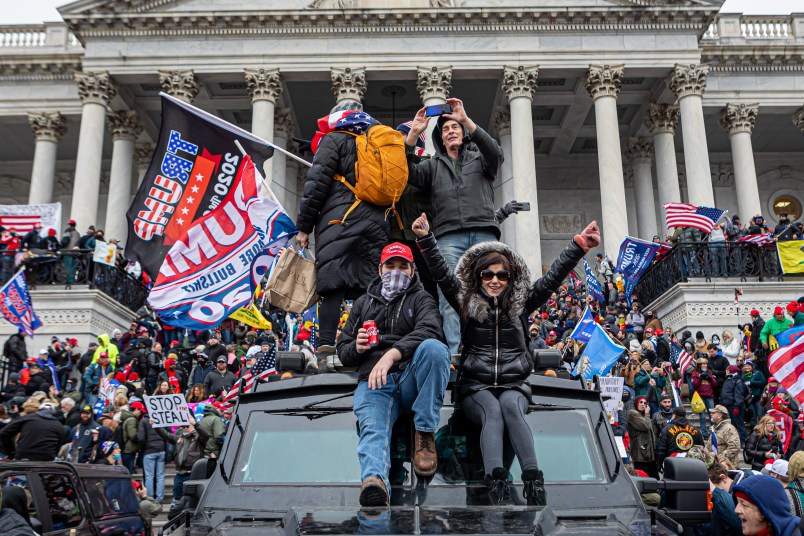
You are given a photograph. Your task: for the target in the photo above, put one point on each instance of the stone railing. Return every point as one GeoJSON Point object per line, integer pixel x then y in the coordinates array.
{"type": "Point", "coordinates": [34, 37]}
{"type": "Point", "coordinates": [756, 27]}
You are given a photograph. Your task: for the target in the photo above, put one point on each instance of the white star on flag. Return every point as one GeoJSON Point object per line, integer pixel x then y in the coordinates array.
{"type": "Point", "coordinates": [194, 189]}
{"type": "Point", "coordinates": [180, 221]}
{"type": "Point", "coordinates": [199, 177]}
{"type": "Point", "coordinates": [191, 199]}
{"type": "Point", "coordinates": [184, 211]}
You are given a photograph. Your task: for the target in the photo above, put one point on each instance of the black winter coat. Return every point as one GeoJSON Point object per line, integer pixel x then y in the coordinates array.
{"type": "Point", "coordinates": [462, 196]}
{"type": "Point", "coordinates": [662, 350]}
{"type": "Point", "coordinates": [41, 436]}
{"type": "Point", "coordinates": [347, 255]}
{"type": "Point", "coordinates": [15, 352]}
{"type": "Point", "coordinates": [757, 445]}
{"type": "Point", "coordinates": [494, 331]}
{"type": "Point", "coordinates": [678, 436]}
{"type": "Point", "coordinates": [403, 323]}
{"type": "Point", "coordinates": [754, 342]}
{"type": "Point", "coordinates": [150, 441]}
{"type": "Point", "coordinates": [733, 391]}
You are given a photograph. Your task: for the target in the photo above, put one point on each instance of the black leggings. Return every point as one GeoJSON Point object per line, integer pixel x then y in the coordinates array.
{"type": "Point", "coordinates": [495, 414]}
{"type": "Point", "coordinates": [329, 313]}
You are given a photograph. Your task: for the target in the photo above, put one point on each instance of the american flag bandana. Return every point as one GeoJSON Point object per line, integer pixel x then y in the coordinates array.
{"type": "Point", "coordinates": [353, 121]}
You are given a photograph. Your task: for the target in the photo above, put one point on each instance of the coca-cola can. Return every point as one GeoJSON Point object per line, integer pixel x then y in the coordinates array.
{"type": "Point", "coordinates": [371, 330]}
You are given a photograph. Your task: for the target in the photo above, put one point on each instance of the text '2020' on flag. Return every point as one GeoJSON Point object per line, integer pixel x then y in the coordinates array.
{"type": "Point", "coordinates": [17, 306]}
{"type": "Point", "coordinates": [193, 169]}
{"type": "Point", "coordinates": [216, 263]}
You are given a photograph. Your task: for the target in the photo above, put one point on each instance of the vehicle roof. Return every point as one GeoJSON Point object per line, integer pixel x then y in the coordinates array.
{"type": "Point", "coordinates": [82, 470]}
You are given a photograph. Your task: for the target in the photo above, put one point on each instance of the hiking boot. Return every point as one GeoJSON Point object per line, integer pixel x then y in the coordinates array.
{"type": "Point", "coordinates": [425, 459]}
{"type": "Point", "coordinates": [373, 492]}
{"type": "Point", "coordinates": [324, 353]}
{"type": "Point", "coordinates": [533, 490]}
{"type": "Point", "coordinates": [497, 486]}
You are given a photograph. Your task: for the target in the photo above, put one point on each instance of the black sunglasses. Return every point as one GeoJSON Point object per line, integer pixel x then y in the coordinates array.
{"type": "Point", "coordinates": [488, 275]}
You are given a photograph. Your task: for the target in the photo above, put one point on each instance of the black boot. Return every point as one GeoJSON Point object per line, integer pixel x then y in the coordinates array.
{"type": "Point", "coordinates": [499, 490]}
{"type": "Point", "coordinates": [534, 487]}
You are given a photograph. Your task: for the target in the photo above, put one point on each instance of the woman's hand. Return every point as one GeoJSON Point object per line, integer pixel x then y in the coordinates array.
{"type": "Point", "coordinates": [302, 239]}
{"type": "Point", "coordinates": [589, 237]}
{"type": "Point", "coordinates": [421, 227]}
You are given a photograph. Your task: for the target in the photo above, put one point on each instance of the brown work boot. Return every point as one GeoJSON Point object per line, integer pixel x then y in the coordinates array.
{"type": "Point", "coordinates": [425, 460]}
{"type": "Point", "coordinates": [373, 492]}
{"type": "Point", "coordinates": [324, 354]}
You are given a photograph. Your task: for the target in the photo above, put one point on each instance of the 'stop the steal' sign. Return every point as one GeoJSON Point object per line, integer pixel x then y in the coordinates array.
{"type": "Point", "coordinates": [167, 410]}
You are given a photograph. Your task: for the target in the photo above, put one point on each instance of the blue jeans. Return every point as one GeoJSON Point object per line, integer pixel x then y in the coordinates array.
{"type": "Point", "coordinates": [178, 485]}
{"type": "Point", "coordinates": [418, 388]}
{"type": "Point", "coordinates": [153, 466]}
{"type": "Point", "coordinates": [452, 246]}
{"type": "Point", "coordinates": [709, 403]}
{"type": "Point", "coordinates": [128, 459]}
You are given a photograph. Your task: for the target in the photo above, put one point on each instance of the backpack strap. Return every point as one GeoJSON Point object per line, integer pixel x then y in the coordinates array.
{"type": "Point", "coordinates": [342, 180]}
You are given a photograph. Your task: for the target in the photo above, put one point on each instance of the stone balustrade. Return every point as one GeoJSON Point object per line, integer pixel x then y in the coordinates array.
{"type": "Point", "coordinates": [756, 27]}
{"type": "Point", "coordinates": [18, 37]}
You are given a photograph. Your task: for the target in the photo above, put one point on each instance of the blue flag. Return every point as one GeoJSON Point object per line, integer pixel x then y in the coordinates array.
{"type": "Point", "coordinates": [16, 304]}
{"type": "Point", "coordinates": [585, 327]}
{"type": "Point", "coordinates": [632, 262]}
{"type": "Point", "coordinates": [789, 336]}
{"type": "Point", "coordinates": [592, 283]}
{"type": "Point", "coordinates": [599, 355]}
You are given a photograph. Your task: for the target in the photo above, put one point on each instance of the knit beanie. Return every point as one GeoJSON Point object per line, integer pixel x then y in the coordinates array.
{"type": "Point", "coordinates": [796, 467]}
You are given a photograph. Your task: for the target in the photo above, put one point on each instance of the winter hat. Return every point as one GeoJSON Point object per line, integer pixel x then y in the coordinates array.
{"type": "Point", "coordinates": [680, 411]}
{"type": "Point", "coordinates": [795, 467]}
{"type": "Point", "coordinates": [346, 104]}
{"type": "Point", "coordinates": [699, 335]}
{"type": "Point", "coordinates": [137, 405]}
{"type": "Point", "coordinates": [666, 397]}
{"type": "Point", "coordinates": [641, 398]}
{"type": "Point", "coordinates": [792, 307]}
{"type": "Point", "coordinates": [108, 447]}
{"type": "Point", "coordinates": [754, 313]}
{"type": "Point", "coordinates": [733, 369]}
{"type": "Point", "coordinates": [47, 406]}
{"type": "Point", "coordinates": [769, 496]}
{"type": "Point", "coordinates": [749, 363]}
{"type": "Point", "coordinates": [14, 377]}
{"type": "Point", "coordinates": [778, 310]}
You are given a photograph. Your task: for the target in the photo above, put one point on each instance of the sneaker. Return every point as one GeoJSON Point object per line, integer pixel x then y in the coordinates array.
{"type": "Point", "coordinates": [497, 486]}
{"type": "Point", "coordinates": [425, 459]}
{"type": "Point", "coordinates": [533, 490]}
{"type": "Point", "coordinates": [373, 492]}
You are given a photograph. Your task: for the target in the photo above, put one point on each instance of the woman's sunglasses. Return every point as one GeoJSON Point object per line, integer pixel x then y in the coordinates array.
{"type": "Point", "coordinates": [488, 275]}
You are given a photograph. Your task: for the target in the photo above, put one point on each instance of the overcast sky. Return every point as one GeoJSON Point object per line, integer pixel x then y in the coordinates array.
{"type": "Point", "coordinates": [35, 11]}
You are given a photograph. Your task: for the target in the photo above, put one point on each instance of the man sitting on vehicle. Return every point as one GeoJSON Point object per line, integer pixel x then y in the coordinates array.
{"type": "Point", "coordinates": [406, 370]}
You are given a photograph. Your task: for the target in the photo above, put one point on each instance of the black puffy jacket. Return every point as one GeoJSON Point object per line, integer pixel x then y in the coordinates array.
{"type": "Point", "coordinates": [757, 445]}
{"type": "Point", "coordinates": [347, 255]}
{"type": "Point", "coordinates": [494, 331]}
{"type": "Point", "coordinates": [732, 394]}
{"type": "Point", "coordinates": [403, 323]}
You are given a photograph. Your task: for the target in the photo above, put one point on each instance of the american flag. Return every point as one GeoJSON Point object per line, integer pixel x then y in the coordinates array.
{"type": "Point", "coordinates": [680, 359]}
{"type": "Point", "coordinates": [758, 239]}
{"type": "Point", "coordinates": [787, 365]}
{"type": "Point", "coordinates": [686, 215]}
{"type": "Point", "coordinates": [264, 367]}
{"type": "Point", "coordinates": [20, 224]}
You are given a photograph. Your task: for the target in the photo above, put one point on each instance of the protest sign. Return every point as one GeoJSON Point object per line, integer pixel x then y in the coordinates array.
{"type": "Point", "coordinates": [611, 390]}
{"type": "Point", "coordinates": [167, 410]}
{"type": "Point", "coordinates": [105, 253]}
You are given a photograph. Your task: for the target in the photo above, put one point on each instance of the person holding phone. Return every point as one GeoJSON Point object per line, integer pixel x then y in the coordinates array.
{"type": "Point", "coordinates": [460, 180]}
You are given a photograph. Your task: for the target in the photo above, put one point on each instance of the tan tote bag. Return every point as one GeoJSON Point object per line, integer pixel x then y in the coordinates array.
{"type": "Point", "coordinates": [291, 285]}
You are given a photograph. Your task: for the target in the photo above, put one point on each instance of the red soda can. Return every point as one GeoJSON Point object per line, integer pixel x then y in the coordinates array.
{"type": "Point", "coordinates": [373, 335]}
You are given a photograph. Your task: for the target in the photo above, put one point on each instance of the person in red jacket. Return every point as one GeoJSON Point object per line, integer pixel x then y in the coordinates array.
{"type": "Point", "coordinates": [704, 383]}
{"type": "Point", "coordinates": [781, 414]}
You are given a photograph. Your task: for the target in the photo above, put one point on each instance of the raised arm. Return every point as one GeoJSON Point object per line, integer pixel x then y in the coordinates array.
{"type": "Point", "coordinates": [439, 269]}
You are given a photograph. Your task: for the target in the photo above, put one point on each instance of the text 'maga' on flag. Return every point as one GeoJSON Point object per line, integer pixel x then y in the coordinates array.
{"type": "Point", "coordinates": [680, 359]}
{"type": "Point", "coordinates": [633, 261]}
{"type": "Point", "coordinates": [787, 365]}
{"type": "Point", "coordinates": [17, 306]}
{"type": "Point", "coordinates": [592, 283]}
{"type": "Point", "coordinates": [264, 367]}
{"type": "Point", "coordinates": [218, 260]}
{"type": "Point", "coordinates": [598, 356]}
{"type": "Point", "coordinates": [686, 215]}
{"type": "Point", "coordinates": [192, 171]}
{"type": "Point", "coordinates": [757, 239]}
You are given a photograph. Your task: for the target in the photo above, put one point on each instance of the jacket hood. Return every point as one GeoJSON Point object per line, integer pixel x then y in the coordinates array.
{"type": "Point", "coordinates": [103, 340]}
{"type": "Point", "coordinates": [125, 414]}
{"type": "Point", "coordinates": [474, 304]}
{"type": "Point", "coordinates": [209, 409]}
{"type": "Point", "coordinates": [769, 496]}
{"type": "Point", "coordinates": [48, 414]}
{"type": "Point", "coordinates": [438, 143]}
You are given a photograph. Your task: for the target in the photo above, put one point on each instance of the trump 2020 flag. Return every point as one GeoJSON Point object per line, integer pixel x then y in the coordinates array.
{"type": "Point", "coordinates": [585, 327]}
{"type": "Point", "coordinates": [592, 283]}
{"type": "Point", "coordinates": [218, 260]}
{"type": "Point", "coordinates": [598, 356]}
{"type": "Point", "coordinates": [632, 262]}
{"type": "Point", "coordinates": [16, 304]}
{"type": "Point", "coordinates": [192, 171]}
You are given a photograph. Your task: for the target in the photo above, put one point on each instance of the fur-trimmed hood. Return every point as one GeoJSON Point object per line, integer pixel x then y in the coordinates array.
{"type": "Point", "coordinates": [473, 302]}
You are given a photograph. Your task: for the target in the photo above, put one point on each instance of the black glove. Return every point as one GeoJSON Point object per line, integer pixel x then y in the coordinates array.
{"type": "Point", "coordinates": [511, 207]}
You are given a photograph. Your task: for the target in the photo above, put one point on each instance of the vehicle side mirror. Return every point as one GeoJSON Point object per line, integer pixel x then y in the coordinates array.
{"type": "Point", "coordinates": [645, 484]}
{"type": "Point", "coordinates": [687, 494]}
{"type": "Point", "coordinates": [290, 361]}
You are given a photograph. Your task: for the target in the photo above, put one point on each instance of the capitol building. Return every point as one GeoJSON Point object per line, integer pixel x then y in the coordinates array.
{"type": "Point", "coordinates": [605, 109]}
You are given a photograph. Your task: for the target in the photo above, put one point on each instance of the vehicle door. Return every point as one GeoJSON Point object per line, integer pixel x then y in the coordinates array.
{"type": "Point", "coordinates": [63, 506]}
{"type": "Point", "coordinates": [114, 506]}
{"type": "Point", "coordinates": [22, 490]}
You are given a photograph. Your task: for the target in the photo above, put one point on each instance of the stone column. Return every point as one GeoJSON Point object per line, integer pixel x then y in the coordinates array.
{"type": "Point", "coordinates": [125, 129]}
{"type": "Point", "coordinates": [348, 83]}
{"type": "Point", "coordinates": [639, 152]}
{"type": "Point", "coordinates": [630, 200]}
{"type": "Point", "coordinates": [143, 154]}
{"type": "Point", "coordinates": [738, 121]}
{"type": "Point", "coordinates": [501, 121]}
{"type": "Point", "coordinates": [265, 87]}
{"type": "Point", "coordinates": [96, 91]}
{"type": "Point", "coordinates": [433, 84]}
{"type": "Point", "coordinates": [519, 84]}
{"type": "Point", "coordinates": [661, 122]}
{"type": "Point", "coordinates": [688, 83]}
{"type": "Point", "coordinates": [182, 84]}
{"type": "Point", "coordinates": [282, 130]}
{"type": "Point", "coordinates": [49, 129]}
{"type": "Point", "coordinates": [603, 84]}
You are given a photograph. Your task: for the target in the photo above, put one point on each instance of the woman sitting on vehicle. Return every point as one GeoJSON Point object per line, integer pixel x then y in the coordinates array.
{"type": "Point", "coordinates": [492, 293]}
{"type": "Point", "coordinates": [764, 443]}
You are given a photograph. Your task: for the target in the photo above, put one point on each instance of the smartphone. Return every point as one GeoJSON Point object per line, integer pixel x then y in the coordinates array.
{"type": "Point", "coordinates": [525, 206]}
{"type": "Point", "coordinates": [438, 109]}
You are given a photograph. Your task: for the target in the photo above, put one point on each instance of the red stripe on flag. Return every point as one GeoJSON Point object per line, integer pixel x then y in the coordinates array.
{"type": "Point", "coordinates": [787, 365]}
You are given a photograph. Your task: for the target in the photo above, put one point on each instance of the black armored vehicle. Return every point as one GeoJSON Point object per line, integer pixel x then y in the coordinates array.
{"type": "Point", "coordinates": [289, 467]}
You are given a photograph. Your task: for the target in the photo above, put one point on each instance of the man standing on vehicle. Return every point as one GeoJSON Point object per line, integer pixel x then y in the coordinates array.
{"type": "Point", "coordinates": [403, 367]}
{"type": "Point", "coordinates": [41, 434]}
{"type": "Point", "coordinates": [460, 180]}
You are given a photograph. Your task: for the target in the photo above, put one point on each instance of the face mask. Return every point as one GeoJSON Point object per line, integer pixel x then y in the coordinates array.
{"type": "Point", "coordinates": [703, 369]}
{"type": "Point", "coordinates": [116, 457]}
{"type": "Point", "coordinates": [394, 283]}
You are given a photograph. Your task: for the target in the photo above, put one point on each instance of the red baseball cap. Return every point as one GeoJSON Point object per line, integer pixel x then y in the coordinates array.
{"type": "Point", "coordinates": [396, 249]}
{"type": "Point", "coordinates": [778, 310]}
{"type": "Point", "coordinates": [754, 312]}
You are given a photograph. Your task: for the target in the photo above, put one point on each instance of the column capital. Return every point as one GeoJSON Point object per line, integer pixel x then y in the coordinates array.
{"type": "Point", "coordinates": [263, 84]}
{"type": "Point", "coordinates": [736, 118]}
{"type": "Point", "coordinates": [798, 118]}
{"type": "Point", "coordinates": [283, 122]}
{"type": "Point", "coordinates": [348, 83]}
{"type": "Point", "coordinates": [639, 150]}
{"type": "Point", "coordinates": [662, 118]}
{"type": "Point", "coordinates": [124, 125]}
{"type": "Point", "coordinates": [434, 82]}
{"type": "Point", "coordinates": [604, 80]}
{"type": "Point", "coordinates": [48, 126]}
{"type": "Point", "coordinates": [144, 153]}
{"type": "Point", "coordinates": [520, 81]}
{"type": "Point", "coordinates": [97, 88]}
{"type": "Point", "coordinates": [688, 79]}
{"type": "Point", "coordinates": [501, 121]}
{"type": "Point", "coordinates": [182, 84]}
